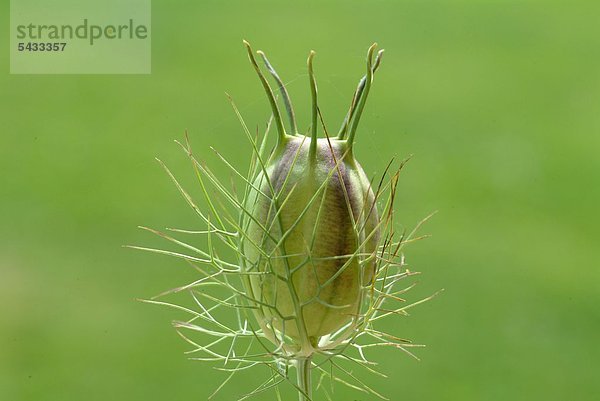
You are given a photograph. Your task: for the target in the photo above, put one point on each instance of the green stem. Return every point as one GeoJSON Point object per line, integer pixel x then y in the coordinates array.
{"type": "Point", "coordinates": [303, 368]}
{"type": "Point", "coordinates": [315, 106]}
{"type": "Point", "coordinates": [270, 95]}
{"type": "Point", "coordinates": [363, 97]}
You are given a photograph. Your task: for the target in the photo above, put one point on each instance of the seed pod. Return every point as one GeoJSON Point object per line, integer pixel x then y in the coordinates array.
{"type": "Point", "coordinates": [319, 266]}
{"type": "Point", "coordinates": [311, 224]}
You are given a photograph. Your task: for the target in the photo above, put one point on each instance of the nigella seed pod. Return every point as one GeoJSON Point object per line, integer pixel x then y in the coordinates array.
{"type": "Point", "coordinates": [314, 220]}
{"type": "Point", "coordinates": [311, 224]}
{"type": "Point", "coordinates": [311, 265]}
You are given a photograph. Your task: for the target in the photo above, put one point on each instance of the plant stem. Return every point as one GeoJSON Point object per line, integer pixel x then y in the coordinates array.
{"type": "Point", "coordinates": [303, 368]}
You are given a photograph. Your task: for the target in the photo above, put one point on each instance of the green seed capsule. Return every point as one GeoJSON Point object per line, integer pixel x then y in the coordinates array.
{"type": "Point", "coordinates": [317, 265]}
{"type": "Point", "coordinates": [311, 226]}
{"type": "Point", "coordinates": [319, 231]}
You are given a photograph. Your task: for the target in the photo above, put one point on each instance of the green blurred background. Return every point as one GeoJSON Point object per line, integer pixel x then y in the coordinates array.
{"type": "Point", "coordinates": [497, 100]}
